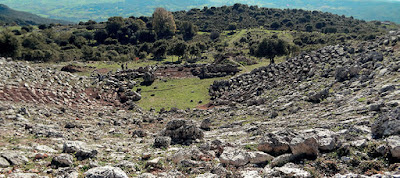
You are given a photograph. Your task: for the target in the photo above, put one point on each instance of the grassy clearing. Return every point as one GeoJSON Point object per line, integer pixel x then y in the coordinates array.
{"type": "Point", "coordinates": [175, 93]}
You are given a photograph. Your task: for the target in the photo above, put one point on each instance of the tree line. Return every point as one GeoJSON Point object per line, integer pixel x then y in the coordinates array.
{"type": "Point", "coordinates": [166, 33]}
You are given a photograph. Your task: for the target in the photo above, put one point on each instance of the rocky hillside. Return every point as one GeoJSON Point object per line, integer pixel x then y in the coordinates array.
{"type": "Point", "coordinates": [333, 112]}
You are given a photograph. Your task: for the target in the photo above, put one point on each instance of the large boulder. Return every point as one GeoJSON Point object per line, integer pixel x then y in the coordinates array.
{"type": "Point", "coordinates": [186, 153]}
{"type": "Point", "coordinates": [288, 170]}
{"type": "Point", "coordinates": [182, 131]}
{"type": "Point", "coordinates": [4, 162]}
{"type": "Point", "coordinates": [149, 78]}
{"type": "Point", "coordinates": [259, 157]}
{"type": "Point", "coordinates": [162, 142]}
{"type": "Point", "coordinates": [317, 97]}
{"type": "Point", "coordinates": [233, 156]}
{"type": "Point", "coordinates": [387, 124]}
{"type": "Point", "coordinates": [14, 158]}
{"type": "Point", "coordinates": [394, 146]}
{"type": "Point", "coordinates": [346, 73]}
{"type": "Point", "coordinates": [105, 172]}
{"type": "Point", "coordinates": [303, 146]}
{"type": "Point", "coordinates": [327, 140]}
{"type": "Point", "coordinates": [276, 143]}
{"type": "Point", "coordinates": [79, 149]}
{"type": "Point", "coordinates": [63, 160]}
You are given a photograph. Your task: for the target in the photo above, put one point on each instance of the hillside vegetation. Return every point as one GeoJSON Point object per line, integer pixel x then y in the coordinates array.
{"type": "Point", "coordinates": [77, 10]}
{"type": "Point", "coordinates": [192, 36]}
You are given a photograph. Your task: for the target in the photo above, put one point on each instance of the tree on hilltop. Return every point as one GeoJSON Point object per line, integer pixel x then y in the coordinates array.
{"type": "Point", "coordinates": [163, 23]}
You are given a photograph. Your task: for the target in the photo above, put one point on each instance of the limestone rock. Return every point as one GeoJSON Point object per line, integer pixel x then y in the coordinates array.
{"type": "Point", "coordinates": [207, 175]}
{"type": "Point", "coordinates": [62, 160]}
{"type": "Point", "coordinates": [182, 131]}
{"type": "Point", "coordinates": [394, 146]}
{"type": "Point", "coordinates": [259, 157]}
{"type": "Point", "coordinates": [276, 143]}
{"type": "Point", "coordinates": [233, 156]}
{"type": "Point", "coordinates": [23, 175]}
{"type": "Point", "coordinates": [67, 172]}
{"type": "Point", "coordinates": [387, 124]}
{"type": "Point", "coordinates": [80, 150]}
{"type": "Point", "coordinates": [249, 174]}
{"type": "Point", "coordinates": [281, 160]}
{"type": "Point", "coordinates": [4, 162]}
{"type": "Point", "coordinates": [14, 158]}
{"type": "Point", "coordinates": [288, 170]}
{"type": "Point", "coordinates": [105, 172]}
{"type": "Point", "coordinates": [162, 142]}
{"type": "Point", "coordinates": [303, 146]}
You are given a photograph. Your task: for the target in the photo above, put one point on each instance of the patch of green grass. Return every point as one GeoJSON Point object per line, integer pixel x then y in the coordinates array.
{"type": "Point", "coordinates": [251, 147]}
{"type": "Point", "coordinates": [361, 99]}
{"type": "Point", "coordinates": [175, 93]}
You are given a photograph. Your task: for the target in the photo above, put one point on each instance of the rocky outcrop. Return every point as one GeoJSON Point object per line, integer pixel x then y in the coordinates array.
{"type": "Point", "coordinates": [394, 146]}
{"type": "Point", "coordinates": [387, 124]}
{"type": "Point", "coordinates": [349, 65]}
{"type": "Point", "coordinates": [302, 146]}
{"type": "Point", "coordinates": [182, 131]}
{"type": "Point", "coordinates": [276, 143]}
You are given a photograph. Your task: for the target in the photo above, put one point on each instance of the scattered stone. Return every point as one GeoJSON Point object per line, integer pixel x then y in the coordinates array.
{"type": "Point", "coordinates": [208, 175]}
{"type": "Point", "coordinates": [186, 153]}
{"type": "Point", "coordinates": [127, 165]}
{"type": "Point", "coordinates": [147, 175]}
{"type": "Point", "coordinates": [387, 124]}
{"type": "Point", "coordinates": [387, 88]}
{"type": "Point", "coordinates": [382, 149]}
{"type": "Point", "coordinates": [162, 142]}
{"type": "Point", "coordinates": [282, 160]}
{"type": "Point", "coordinates": [259, 157]}
{"type": "Point", "coordinates": [67, 172]}
{"type": "Point", "coordinates": [4, 162]}
{"type": "Point", "coordinates": [14, 158]}
{"type": "Point", "coordinates": [317, 97]}
{"type": "Point", "coordinates": [63, 160]}
{"type": "Point", "coordinates": [233, 156]}
{"type": "Point", "coordinates": [44, 148]}
{"type": "Point", "coordinates": [154, 163]}
{"type": "Point", "coordinates": [139, 133]}
{"type": "Point", "coordinates": [206, 124]}
{"type": "Point", "coordinates": [394, 146]}
{"type": "Point", "coordinates": [288, 170]}
{"type": "Point", "coordinates": [80, 150]}
{"type": "Point", "coordinates": [41, 156]}
{"type": "Point", "coordinates": [302, 146]}
{"type": "Point", "coordinates": [249, 174]}
{"type": "Point", "coordinates": [182, 131]}
{"type": "Point", "coordinates": [276, 143]}
{"type": "Point", "coordinates": [105, 172]}
{"type": "Point", "coordinates": [23, 175]}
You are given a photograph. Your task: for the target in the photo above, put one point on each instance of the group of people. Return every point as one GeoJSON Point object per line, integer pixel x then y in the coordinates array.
{"type": "Point", "coordinates": [124, 67]}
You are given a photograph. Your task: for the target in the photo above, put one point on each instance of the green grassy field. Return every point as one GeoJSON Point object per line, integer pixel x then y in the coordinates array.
{"type": "Point", "coordinates": [177, 93]}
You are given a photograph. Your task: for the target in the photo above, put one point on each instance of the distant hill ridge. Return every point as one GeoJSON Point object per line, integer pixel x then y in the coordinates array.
{"type": "Point", "coordinates": [10, 16]}
{"type": "Point", "coordinates": [100, 10]}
